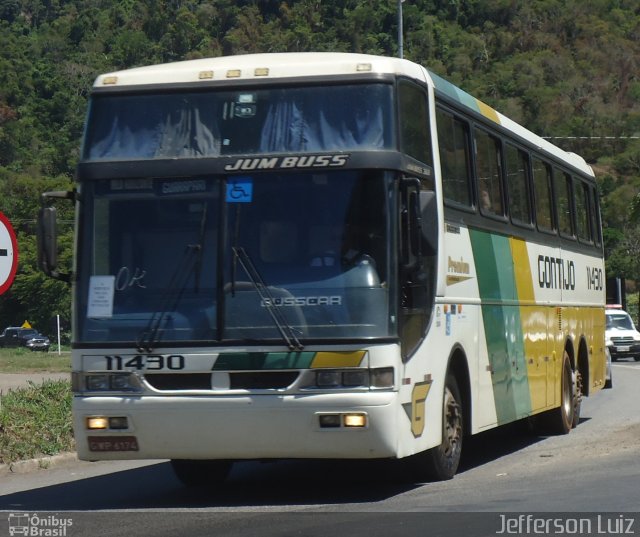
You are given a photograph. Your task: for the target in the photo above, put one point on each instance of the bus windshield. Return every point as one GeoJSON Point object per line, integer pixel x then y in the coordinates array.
{"type": "Point", "coordinates": [275, 256]}
{"type": "Point", "coordinates": [209, 123]}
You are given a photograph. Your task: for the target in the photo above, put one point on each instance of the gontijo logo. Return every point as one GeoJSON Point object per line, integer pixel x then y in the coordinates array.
{"type": "Point", "coordinates": [556, 273]}
{"type": "Point", "coordinates": [38, 526]}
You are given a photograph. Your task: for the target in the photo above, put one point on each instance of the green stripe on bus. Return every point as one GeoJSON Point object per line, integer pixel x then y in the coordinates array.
{"type": "Point", "coordinates": [461, 96]}
{"type": "Point", "coordinates": [502, 325]}
{"type": "Point", "coordinates": [252, 361]}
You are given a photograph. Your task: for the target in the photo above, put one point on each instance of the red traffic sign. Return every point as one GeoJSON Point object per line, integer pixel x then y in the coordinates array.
{"type": "Point", "coordinates": [8, 254]}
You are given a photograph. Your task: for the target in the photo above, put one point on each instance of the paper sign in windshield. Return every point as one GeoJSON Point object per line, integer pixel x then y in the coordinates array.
{"type": "Point", "coordinates": [100, 302]}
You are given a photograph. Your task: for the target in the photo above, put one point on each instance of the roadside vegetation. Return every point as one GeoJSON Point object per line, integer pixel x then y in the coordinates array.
{"type": "Point", "coordinates": [21, 360]}
{"type": "Point", "coordinates": [35, 421]}
{"type": "Point", "coordinates": [565, 69]}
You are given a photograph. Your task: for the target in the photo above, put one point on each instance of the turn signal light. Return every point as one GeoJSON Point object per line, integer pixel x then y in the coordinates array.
{"type": "Point", "coordinates": [97, 422]}
{"type": "Point", "coordinates": [355, 420]}
{"type": "Point", "coordinates": [342, 420]}
{"type": "Point", "coordinates": [101, 423]}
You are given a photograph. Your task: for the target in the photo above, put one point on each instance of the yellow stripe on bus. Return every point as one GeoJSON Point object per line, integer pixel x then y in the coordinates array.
{"type": "Point", "coordinates": [338, 359]}
{"type": "Point", "coordinates": [534, 326]}
{"type": "Point", "coordinates": [488, 112]}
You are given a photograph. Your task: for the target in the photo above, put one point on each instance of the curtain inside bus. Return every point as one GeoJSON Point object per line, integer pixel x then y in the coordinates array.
{"type": "Point", "coordinates": [209, 124]}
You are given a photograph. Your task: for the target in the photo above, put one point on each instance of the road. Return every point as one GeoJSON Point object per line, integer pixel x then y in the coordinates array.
{"type": "Point", "coordinates": [11, 381]}
{"type": "Point", "coordinates": [593, 470]}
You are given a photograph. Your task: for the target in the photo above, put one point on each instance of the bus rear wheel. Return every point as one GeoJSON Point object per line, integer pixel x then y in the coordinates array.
{"type": "Point", "coordinates": [194, 473]}
{"type": "Point", "coordinates": [562, 419]}
{"type": "Point", "coordinates": [441, 462]}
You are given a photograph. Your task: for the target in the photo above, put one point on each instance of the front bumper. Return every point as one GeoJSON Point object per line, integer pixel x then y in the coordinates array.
{"type": "Point", "coordinates": [38, 346]}
{"type": "Point", "coordinates": [239, 427]}
{"type": "Point", "coordinates": [624, 350]}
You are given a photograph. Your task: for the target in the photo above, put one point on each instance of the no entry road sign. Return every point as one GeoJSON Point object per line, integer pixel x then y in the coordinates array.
{"type": "Point", "coordinates": [8, 254]}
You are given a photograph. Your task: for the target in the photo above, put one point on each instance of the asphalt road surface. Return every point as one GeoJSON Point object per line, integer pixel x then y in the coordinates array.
{"type": "Point", "coordinates": [584, 483]}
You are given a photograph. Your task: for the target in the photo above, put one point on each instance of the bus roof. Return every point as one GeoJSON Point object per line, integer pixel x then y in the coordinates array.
{"type": "Point", "coordinates": [468, 101]}
{"type": "Point", "coordinates": [309, 64]}
{"type": "Point", "coordinates": [262, 66]}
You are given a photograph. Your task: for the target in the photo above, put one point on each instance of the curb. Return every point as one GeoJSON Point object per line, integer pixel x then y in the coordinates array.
{"type": "Point", "coordinates": [32, 465]}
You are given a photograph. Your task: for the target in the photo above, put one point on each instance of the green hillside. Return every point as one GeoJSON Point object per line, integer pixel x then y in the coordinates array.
{"type": "Point", "coordinates": [566, 69]}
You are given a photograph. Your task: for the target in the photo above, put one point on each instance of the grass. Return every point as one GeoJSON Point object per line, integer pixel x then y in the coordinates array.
{"type": "Point", "coordinates": [36, 421]}
{"type": "Point", "coordinates": [21, 360]}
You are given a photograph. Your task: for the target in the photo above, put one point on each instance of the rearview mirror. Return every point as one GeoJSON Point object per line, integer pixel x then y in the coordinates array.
{"type": "Point", "coordinates": [48, 240]}
{"type": "Point", "coordinates": [47, 235]}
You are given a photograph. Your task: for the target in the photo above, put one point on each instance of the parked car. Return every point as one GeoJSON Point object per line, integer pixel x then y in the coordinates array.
{"type": "Point", "coordinates": [622, 338]}
{"type": "Point", "coordinates": [16, 336]}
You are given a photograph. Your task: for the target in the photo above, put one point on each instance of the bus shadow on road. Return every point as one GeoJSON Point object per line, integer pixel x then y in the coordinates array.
{"type": "Point", "coordinates": [250, 484]}
{"type": "Point", "coordinates": [496, 443]}
{"type": "Point", "coordinates": [256, 484]}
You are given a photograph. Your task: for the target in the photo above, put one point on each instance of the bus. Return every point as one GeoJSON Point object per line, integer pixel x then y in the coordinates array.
{"type": "Point", "coordinates": [321, 256]}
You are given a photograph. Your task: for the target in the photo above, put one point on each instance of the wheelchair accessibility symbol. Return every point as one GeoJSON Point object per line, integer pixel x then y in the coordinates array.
{"type": "Point", "coordinates": [240, 190]}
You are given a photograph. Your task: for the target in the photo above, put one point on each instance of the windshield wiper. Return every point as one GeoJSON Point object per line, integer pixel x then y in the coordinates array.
{"type": "Point", "coordinates": [188, 265]}
{"type": "Point", "coordinates": [286, 330]}
{"type": "Point", "coordinates": [151, 334]}
{"type": "Point", "coordinates": [197, 269]}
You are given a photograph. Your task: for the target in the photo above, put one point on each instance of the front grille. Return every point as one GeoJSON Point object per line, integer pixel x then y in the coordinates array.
{"type": "Point", "coordinates": [262, 380]}
{"type": "Point", "coordinates": [623, 340]}
{"type": "Point", "coordinates": [238, 380]}
{"type": "Point", "coordinates": [186, 381]}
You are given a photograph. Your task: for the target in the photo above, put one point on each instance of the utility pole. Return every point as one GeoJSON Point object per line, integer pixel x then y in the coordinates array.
{"type": "Point", "coordinates": [400, 31]}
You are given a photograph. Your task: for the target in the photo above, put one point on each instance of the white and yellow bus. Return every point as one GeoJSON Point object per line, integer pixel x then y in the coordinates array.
{"type": "Point", "coordinates": [322, 255]}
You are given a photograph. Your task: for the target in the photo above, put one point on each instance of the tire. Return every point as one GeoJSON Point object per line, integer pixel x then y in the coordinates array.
{"type": "Point", "coordinates": [441, 462]}
{"type": "Point", "coordinates": [201, 473]}
{"type": "Point", "coordinates": [562, 419]}
{"type": "Point", "coordinates": [577, 397]}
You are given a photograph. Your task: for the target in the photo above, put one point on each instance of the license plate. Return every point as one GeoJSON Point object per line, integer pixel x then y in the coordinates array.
{"type": "Point", "coordinates": [623, 349]}
{"type": "Point", "coordinates": [113, 443]}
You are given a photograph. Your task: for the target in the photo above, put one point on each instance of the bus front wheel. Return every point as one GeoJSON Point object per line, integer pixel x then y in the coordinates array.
{"type": "Point", "coordinates": [194, 473]}
{"type": "Point", "coordinates": [441, 462]}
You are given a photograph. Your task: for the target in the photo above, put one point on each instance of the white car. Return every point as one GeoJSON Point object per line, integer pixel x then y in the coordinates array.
{"type": "Point", "coordinates": [622, 338]}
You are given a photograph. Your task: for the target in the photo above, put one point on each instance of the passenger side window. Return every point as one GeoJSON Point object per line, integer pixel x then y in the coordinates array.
{"type": "Point", "coordinates": [543, 195]}
{"type": "Point", "coordinates": [595, 217]}
{"type": "Point", "coordinates": [517, 164]}
{"type": "Point", "coordinates": [562, 187]}
{"type": "Point", "coordinates": [453, 140]}
{"type": "Point", "coordinates": [488, 174]}
{"type": "Point", "coordinates": [581, 198]}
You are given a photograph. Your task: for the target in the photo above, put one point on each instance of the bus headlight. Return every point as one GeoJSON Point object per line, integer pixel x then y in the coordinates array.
{"type": "Point", "coordinates": [327, 378]}
{"type": "Point", "coordinates": [355, 378]}
{"type": "Point", "coordinates": [382, 377]}
{"type": "Point", "coordinates": [107, 382]}
{"type": "Point", "coordinates": [377, 378]}
{"type": "Point", "coordinates": [97, 383]}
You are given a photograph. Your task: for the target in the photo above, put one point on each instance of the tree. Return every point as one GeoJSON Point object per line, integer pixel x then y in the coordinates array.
{"type": "Point", "coordinates": [559, 67]}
